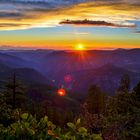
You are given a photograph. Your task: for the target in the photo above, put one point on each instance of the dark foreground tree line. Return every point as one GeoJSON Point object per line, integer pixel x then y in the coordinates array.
{"type": "Point", "coordinates": [100, 117]}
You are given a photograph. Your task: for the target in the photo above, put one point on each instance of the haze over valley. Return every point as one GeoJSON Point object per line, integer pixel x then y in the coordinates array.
{"type": "Point", "coordinates": [52, 67]}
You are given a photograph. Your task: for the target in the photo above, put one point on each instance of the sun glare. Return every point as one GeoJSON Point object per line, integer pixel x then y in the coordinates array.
{"type": "Point", "coordinates": [80, 47]}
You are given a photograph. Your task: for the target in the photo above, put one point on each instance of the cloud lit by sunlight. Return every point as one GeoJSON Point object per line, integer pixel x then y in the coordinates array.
{"type": "Point", "coordinates": [66, 23]}
{"type": "Point", "coordinates": [29, 14]}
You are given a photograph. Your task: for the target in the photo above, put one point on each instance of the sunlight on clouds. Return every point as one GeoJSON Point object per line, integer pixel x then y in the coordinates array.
{"type": "Point", "coordinates": [33, 15]}
{"type": "Point", "coordinates": [21, 15]}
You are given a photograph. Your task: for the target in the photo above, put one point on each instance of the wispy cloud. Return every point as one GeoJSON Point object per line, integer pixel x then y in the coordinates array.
{"type": "Point", "coordinates": [48, 13]}
{"type": "Point", "coordinates": [81, 33]}
{"type": "Point", "coordinates": [12, 25]}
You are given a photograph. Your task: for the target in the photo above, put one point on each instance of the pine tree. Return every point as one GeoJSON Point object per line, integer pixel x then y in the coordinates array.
{"type": "Point", "coordinates": [95, 100]}
{"type": "Point", "coordinates": [122, 118]}
{"type": "Point", "coordinates": [94, 108]}
{"type": "Point", "coordinates": [124, 83]}
{"type": "Point", "coordinates": [15, 93]}
{"type": "Point", "coordinates": [137, 90]}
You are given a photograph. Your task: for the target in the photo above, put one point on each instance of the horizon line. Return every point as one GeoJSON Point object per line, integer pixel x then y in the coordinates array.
{"type": "Point", "coordinates": [70, 50]}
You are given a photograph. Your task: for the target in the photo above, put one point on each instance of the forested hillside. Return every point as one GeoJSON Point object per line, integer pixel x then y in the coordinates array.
{"type": "Point", "coordinates": [24, 112]}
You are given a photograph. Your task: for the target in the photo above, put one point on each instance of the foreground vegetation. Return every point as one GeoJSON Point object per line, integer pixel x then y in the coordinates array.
{"type": "Point", "coordinates": [101, 117]}
{"type": "Point", "coordinates": [27, 127]}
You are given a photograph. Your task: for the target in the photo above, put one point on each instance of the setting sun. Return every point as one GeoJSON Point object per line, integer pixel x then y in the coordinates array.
{"type": "Point", "coordinates": [80, 47]}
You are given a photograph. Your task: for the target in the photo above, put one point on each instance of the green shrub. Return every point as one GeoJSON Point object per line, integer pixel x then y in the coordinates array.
{"type": "Point", "coordinates": [28, 127]}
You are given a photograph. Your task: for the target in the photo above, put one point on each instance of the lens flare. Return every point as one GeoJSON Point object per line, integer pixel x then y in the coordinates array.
{"type": "Point", "coordinates": [61, 92]}
{"type": "Point", "coordinates": [67, 78]}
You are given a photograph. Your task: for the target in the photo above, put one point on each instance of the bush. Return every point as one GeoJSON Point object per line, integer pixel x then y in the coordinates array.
{"type": "Point", "coordinates": [28, 127]}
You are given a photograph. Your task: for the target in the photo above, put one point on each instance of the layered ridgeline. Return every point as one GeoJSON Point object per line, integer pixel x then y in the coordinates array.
{"type": "Point", "coordinates": [101, 67]}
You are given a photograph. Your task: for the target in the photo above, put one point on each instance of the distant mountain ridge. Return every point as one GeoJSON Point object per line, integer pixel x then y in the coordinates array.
{"type": "Point", "coordinates": [101, 67]}
{"type": "Point", "coordinates": [107, 77]}
{"type": "Point", "coordinates": [29, 75]}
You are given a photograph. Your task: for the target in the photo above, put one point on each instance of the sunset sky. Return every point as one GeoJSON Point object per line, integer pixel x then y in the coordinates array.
{"type": "Point", "coordinates": [62, 24]}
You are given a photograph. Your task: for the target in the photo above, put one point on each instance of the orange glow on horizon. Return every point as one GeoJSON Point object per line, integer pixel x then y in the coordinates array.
{"type": "Point", "coordinates": [80, 47]}
{"type": "Point", "coordinates": [62, 45]}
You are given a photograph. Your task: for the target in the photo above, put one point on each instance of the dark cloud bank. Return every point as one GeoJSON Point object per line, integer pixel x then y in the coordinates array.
{"type": "Point", "coordinates": [95, 23]}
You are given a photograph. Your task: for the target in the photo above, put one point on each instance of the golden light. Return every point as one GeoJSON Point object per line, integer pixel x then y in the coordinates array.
{"type": "Point", "coordinates": [80, 47]}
